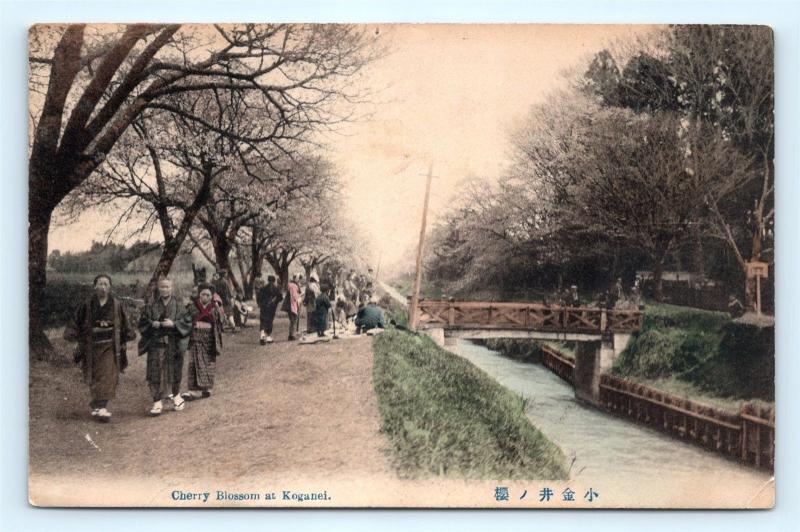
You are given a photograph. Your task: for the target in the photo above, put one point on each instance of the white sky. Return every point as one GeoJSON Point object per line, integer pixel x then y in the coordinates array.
{"type": "Point", "coordinates": [448, 94]}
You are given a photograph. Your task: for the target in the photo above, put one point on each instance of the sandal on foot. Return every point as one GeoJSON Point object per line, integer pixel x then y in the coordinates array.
{"type": "Point", "coordinates": [103, 415]}
{"type": "Point", "coordinates": [178, 403]}
{"type": "Point", "coordinates": [192, 395]}
{"type": "Point", "coordinates": [158, 407]}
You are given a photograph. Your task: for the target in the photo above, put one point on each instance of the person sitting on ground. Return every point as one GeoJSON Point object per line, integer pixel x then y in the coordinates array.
{"type": "Point", "coordinates": [341, 311]}
{"type": "Point", "coordinates": [370, 317]}
{"type": "Point", "coordinates": [240, 310]}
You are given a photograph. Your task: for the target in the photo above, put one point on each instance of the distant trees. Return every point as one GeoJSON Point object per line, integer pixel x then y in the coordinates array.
{"type": "Point", "coordinates": [719, 81]}
{"type": "Point", "coordinates": [631, 165]}
{"type": "Point", "coordinates": [108, 258]}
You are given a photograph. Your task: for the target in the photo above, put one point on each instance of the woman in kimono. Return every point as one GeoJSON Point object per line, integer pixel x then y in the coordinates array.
{"type": "Point", "coordinates": [101, 329]}
{"type": "Point", "coordinates": [165, 325]}
{"type": "Point", "coordinates": [291, 305]}
{"type": "Point", "coordinates": [310, 302]}
{"type": "Point", "coordinates": [205, 344]}
{"type": "Point", "coordinates": [322, 307]}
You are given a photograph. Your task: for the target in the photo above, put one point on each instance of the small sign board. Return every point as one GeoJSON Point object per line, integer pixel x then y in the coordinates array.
{"type": "Point", "coordinates": [758, 269]}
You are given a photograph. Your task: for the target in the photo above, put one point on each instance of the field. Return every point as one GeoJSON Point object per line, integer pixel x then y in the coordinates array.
{"type": "Point", "coordinates": [701, 355]}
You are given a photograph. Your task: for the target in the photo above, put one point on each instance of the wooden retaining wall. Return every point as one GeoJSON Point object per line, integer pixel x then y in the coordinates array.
{"type": "Point", "coordinates": [559, 364]}
{"type": "Point", "coordinates": [748, 436]}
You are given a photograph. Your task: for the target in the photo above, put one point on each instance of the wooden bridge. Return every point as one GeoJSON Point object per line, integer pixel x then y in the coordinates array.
{"type": "Point", "coordinates": [600, 334]}
{"type": "Point", "coordinates": [454, 315]}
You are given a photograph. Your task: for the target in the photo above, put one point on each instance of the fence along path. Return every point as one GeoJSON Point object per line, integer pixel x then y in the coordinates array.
{"type": "Point", "coordinates": [748, 435]}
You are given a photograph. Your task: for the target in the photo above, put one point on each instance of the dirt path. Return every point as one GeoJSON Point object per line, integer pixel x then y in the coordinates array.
{"type": "Point", "coordinates": [280, 411]}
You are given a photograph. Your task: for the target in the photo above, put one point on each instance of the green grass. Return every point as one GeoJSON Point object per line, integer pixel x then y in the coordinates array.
{"type": "Point", "coordinates": [565, 348]}
{"type": "Point", "coordinates": [444, 416]}
{"type": "Point", "coordinates": [394, 310]}
{"type": "Point", "coordinates": [688, 390]}
{"type": "Point", "coordinates": [527, 350]}
{"type": "Point", "coordinates": [520, 349]}
{"type": "Point", "coordinates": [700, 355]}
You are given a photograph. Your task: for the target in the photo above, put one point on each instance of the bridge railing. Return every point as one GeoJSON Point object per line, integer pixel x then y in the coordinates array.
{"type": "Point", "coordinates": [529, 316]}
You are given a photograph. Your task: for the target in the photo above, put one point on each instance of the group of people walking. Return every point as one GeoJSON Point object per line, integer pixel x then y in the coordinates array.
{"type": "Point", "coordinates": [169, 332]}
{"type": "Point", "coordinates": [173, 334]}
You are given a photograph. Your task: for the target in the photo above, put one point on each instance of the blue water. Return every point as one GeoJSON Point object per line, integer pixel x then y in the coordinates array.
{"type": "Point", "coordinates": [601, 447]}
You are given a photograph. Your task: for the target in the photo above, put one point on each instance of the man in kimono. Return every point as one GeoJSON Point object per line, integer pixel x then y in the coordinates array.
{"type": "Point", "coordinates": [268, 298]}
{"type": "Point", "coordinates": [165, 325]}
{"type": "Point", "coordinates": [101, 329]}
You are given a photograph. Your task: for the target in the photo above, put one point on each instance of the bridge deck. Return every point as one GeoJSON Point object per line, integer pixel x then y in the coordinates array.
{"type": "Point", "coordinates": [527, 316]}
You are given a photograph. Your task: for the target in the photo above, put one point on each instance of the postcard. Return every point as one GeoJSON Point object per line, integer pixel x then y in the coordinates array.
{"type": "Point", "coordinates": [401, 265]}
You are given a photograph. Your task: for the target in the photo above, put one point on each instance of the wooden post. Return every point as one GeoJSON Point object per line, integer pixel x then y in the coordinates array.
{"type": "Point", "coordinates": [378, 271]}
{"type": "Point", "coordinates": [758, 295]}
{"type": "Point", "coordinates": [413, 317]}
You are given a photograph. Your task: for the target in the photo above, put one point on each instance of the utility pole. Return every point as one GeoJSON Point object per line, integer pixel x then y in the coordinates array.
{"type": "Point", "coordinates": [413, 317]}
{"type": "Point", "coordinates": [378, 271]}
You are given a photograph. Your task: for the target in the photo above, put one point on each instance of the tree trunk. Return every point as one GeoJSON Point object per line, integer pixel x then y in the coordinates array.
{"type": "Point", "coordinates": [280, 263]}
{"type": "Point", "coordinates": [242, 272]}
{"type": "Point", "coordinates": [222, 254]}
{"type": "Point", "coordinates": [658, 270]}
{"type": "Point", "coordinates": [38, 228]}
{"type": "Point", "coordinates": [283, 276]}
{"type": "Point", "coordinates": [172, 246]}
{"type": "Point", "coordinates": [257, 260]}
{"type": "Point", "coordinates": [755, 255]}
{"type": "Point", "coordinates": [698, 253]}
{"type": "Point", "coordinates": [255, 271]}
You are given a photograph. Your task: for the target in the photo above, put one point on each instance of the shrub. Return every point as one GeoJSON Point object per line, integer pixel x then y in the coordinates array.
{"type": "Point", "coordinates": [702, 348]}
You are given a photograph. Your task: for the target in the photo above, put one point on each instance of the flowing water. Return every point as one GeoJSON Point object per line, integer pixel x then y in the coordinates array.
{"type": "Point", "coordinates": [640, 465]}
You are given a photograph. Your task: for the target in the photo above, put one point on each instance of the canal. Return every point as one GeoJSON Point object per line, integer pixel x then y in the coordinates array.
{"type": "Point", "coordinates": [634, 465]}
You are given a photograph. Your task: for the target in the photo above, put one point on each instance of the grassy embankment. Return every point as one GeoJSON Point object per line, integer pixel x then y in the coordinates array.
{"type": "Point", "coordinates": [444, 416]}
{"type": "Point", "coordinates": [696, 354]}
{"type": "Point", "coordinates": [701, 355]}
